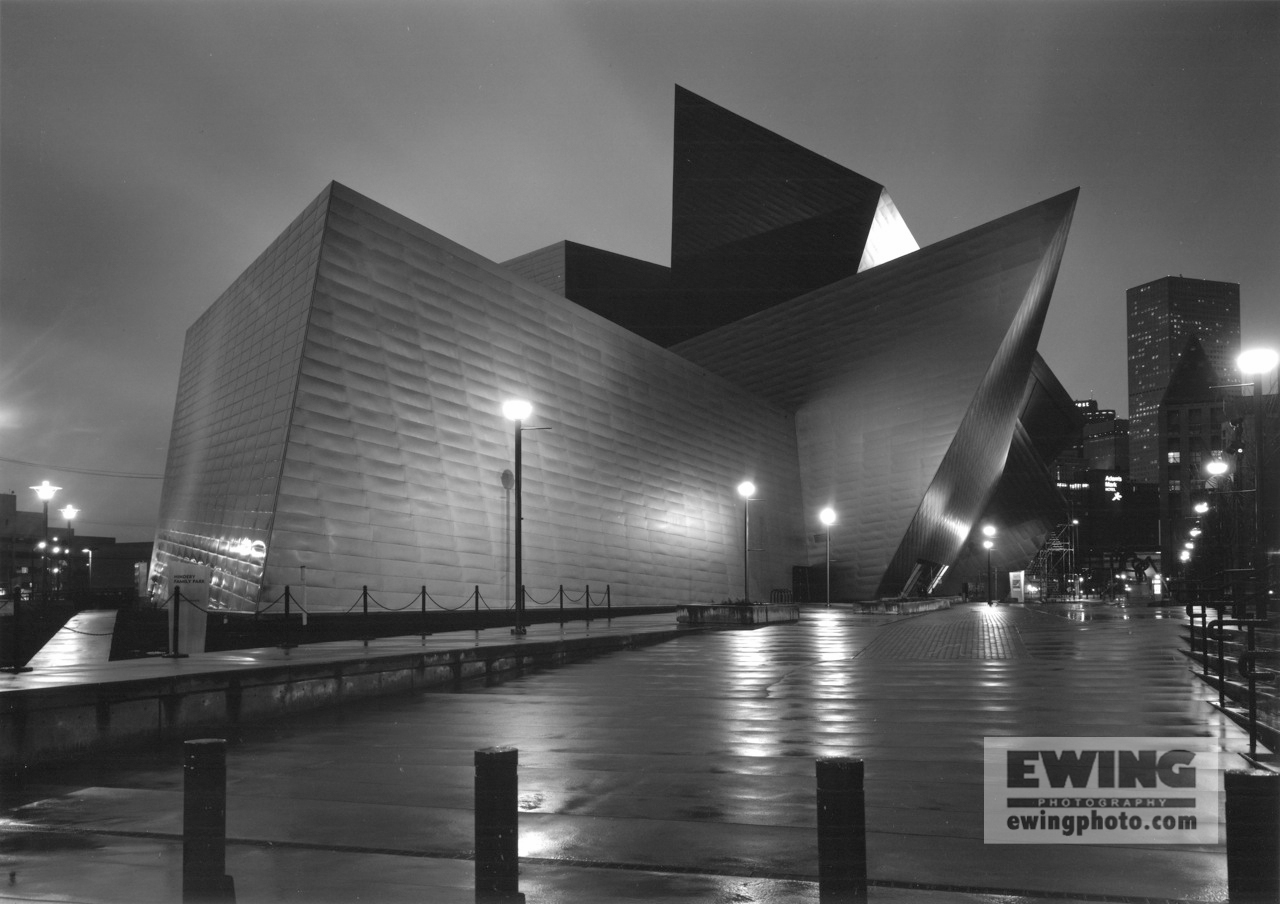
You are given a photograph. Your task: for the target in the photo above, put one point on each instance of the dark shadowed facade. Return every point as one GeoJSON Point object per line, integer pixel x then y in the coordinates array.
{"type": "Point", "coordinates": [338, 414]}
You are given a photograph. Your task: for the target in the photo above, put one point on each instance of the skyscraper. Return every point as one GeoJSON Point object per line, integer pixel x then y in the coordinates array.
{"type": "Point", "coordinates": [1162, 316]}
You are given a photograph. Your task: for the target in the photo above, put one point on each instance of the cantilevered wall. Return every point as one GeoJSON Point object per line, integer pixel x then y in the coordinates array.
{"type": "Point", "coordinates": [339, 409]}
{"type": "Point", "coordinates": [907, 382]}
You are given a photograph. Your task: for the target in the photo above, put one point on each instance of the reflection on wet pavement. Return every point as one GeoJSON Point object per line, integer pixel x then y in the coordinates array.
{"type": "Point", "coordinates": [683, 771]}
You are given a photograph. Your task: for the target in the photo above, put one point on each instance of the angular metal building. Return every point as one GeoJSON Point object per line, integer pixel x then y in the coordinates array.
{"type": "Point", "coordinates": [338, 422]}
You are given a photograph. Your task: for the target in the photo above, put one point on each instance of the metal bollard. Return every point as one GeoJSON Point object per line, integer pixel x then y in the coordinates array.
{"type": "Point", "coordinates": [1253, 836]}
{"type": "Point", "coordinates": [497, 830]}
{"type": "Point", "coordinates": [842, 831]}
{"type": "Point", "coordinates": [204, 823]}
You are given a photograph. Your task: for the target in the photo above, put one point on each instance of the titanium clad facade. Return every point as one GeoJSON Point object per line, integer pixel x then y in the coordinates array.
{"type": "Point", "coordinates": [231, 418]}
{"type": "Point", "coordinates": [393, 444]}
{"type": "Point", "coordinates": [338, 418]}
{"type": "Point", "coordinates": [907, 382]}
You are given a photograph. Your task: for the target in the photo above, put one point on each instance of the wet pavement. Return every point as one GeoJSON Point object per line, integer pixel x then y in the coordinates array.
{"type": "Point", "coordinates": [677, 772]}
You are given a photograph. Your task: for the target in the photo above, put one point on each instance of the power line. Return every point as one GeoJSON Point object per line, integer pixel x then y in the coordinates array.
{"type": "Point", "coordinates": [91, 471]}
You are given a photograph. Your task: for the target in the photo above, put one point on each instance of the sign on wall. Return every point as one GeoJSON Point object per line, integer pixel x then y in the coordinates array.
{"type": "Point", "coordinates": [189, 591]}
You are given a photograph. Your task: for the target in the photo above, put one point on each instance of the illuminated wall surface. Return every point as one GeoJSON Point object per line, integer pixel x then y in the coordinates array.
{"type": "Point", "coordinates": [339, 409]}
{"type": "Point", "coordinates": [338, 414]}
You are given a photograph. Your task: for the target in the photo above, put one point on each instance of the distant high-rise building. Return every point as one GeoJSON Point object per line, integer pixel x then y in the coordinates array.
{"type": "Point", "coordinates": [1162, 316]}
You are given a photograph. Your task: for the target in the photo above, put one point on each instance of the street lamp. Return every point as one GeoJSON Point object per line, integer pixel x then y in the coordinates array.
{"type": "Point", "coordinates": [989, 531]}
{"type": "Point", "coordinates": [69, 512]}
{"type": "Point", "coordinates": [828, 517]}
{"type": "Point", "coordinates": [45, 492]}
{"type": "Point", "coordinates": [518, 410]}
{"type": "Point", "coordinates": [1257, 363]}
{"type": "Point", "coordinates": [746, 490]}
{"type": "Point", "coordinates": [89, 553]}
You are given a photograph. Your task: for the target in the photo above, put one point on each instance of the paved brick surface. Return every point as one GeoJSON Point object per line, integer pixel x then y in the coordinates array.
{"type": "Point", "coordinates": [952, 634]}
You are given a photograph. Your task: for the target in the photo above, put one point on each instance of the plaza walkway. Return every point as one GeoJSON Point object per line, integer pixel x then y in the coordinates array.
{"type": "Point", "coordinates": [682, 771]}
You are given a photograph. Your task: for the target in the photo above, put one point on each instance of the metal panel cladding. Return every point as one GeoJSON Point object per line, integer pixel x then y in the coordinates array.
{"type": "Point", "coordinates": [235, 396]}
{"type": "Point", "coordinates": [906, 381]}
{"type": "Point", "coordinates": [393, 462]}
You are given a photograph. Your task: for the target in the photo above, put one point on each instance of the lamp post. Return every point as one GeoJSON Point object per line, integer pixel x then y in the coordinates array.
{"type": "Point", "coordinates": [988, 544]}
{"type": "Point", "coordinates": [89, 553]}
{"type": "Point", "coordinates": [69, 512]}
{"type": "Point", "coordinates": [1258, 363]}
{"type": "Point", "coordinates": [746, 490]}
{"type": "Point", "coordinates": [517, 410]}
{"type": "Point", "coordinates": [828, 517]}
{"type": "Point", "coordinates": [45, 492]}
{"type": "Point", "coordinates": [1075, 574]}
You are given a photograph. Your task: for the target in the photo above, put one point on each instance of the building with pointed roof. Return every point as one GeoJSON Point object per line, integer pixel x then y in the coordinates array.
{"type": "Point", "coordinates": [338, 419]}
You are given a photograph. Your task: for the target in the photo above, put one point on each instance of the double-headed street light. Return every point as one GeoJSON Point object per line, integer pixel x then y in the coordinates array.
{"type": "Point", "coordinates": [828, 517]}
{"type": "Point", "coordinates": [746, 490]}
{"type": "Point", "coordinates": [1257, 363]}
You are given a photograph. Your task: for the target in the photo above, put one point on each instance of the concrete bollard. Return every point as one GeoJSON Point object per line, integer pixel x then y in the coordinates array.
{"type": "Point", "coordinates": [497, 826]}
{"type": "Point", "coordinates": [1253, 836]}
{"type": "Point", "coordinates": [842, 831]}
{"type": "Point", "coordinates": [204, 823]}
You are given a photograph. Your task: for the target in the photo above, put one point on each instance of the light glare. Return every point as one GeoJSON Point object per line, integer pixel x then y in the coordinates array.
{"type": "Point", "coordinates": [1258, 361]}
{"type": "Point", "coordinates": [45, 491]}
{"type": "Point", "coordinates": [516, 409]}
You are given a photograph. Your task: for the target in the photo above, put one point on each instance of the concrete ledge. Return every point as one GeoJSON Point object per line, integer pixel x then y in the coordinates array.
{"type": "Point", "coordinates": [203, 695]}
{"type": "Point", "coordinates": [908, 607]}
{"type": "Point", "coordinates": [695, 615]}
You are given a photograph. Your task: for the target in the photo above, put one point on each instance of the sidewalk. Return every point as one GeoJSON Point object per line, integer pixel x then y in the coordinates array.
{"type": "Point", "coordinates": [677, 772]}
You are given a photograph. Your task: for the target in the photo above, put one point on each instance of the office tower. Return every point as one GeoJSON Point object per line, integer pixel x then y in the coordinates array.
{"type": "Point", "coordinates": [1162, 316]}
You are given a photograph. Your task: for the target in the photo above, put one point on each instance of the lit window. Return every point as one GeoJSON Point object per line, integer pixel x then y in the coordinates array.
{"type": "Point", "coordinates": [1174, 457]}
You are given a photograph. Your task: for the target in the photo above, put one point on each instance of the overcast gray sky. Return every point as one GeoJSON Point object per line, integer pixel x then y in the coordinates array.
{"type": "Point", "coordinates": [150, 150]}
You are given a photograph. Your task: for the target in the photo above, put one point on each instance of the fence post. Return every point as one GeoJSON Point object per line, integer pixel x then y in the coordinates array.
{"type": "Point", "coordinates": [1253, 836]}
{"type": "Point", "coordinates": [497, 825]}
{"type": "Point", "coordinates": [174, 652]}
{"type": "Point", "coordinates": [285, 644]}
{"type": "Point", "coordinates": [204, 823]}
{"type": "Point", "coordinates": [364, 622]}
{"type": "Point", "coordinates": [588, 598]}
{"type": "Point", "coordinates": [842, 831]}
{"type": "Point", "coordinates": [562, 605]}
{"type": "Point", "coordinates": [608, 601]}
{"type": "Point", "coordinates": [424, 612]}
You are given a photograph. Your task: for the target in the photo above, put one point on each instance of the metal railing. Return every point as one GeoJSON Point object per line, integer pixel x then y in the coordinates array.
{"type": "Point", "coordinates": [1246, 664]}
{"type": "Point", "coordinates": [289, 602]}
